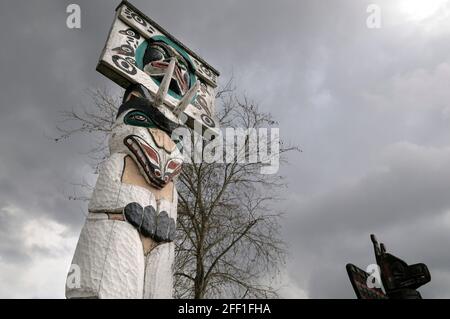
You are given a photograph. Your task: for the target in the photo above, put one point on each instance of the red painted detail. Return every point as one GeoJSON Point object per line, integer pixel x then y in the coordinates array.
{"type": "Point", "coordinates": [152, 154]}
{"type": "Point", "coordinates": [159, 64]}
{"type": "Point", "coordinates": [173, 164]}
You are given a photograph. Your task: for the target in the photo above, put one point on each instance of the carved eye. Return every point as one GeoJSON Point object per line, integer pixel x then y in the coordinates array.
{"type": "Point", "coordinates": [137, 118]}
{"type": "Point", "coordinates": [154, 53]}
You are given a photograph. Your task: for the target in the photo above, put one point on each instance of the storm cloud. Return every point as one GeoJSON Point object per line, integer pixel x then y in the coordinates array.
{"type": "Point", "coordinates": [369, 108]}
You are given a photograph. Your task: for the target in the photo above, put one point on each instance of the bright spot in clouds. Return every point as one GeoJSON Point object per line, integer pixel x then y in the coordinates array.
{"type": "Point", "coordinates": [418, 10]}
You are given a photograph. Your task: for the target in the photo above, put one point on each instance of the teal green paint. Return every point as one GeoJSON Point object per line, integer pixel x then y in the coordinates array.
{"type": "Point", "coordinates": [176, 47]}
{"type": "Point", "coordinates": [139, 57]}
{"type": "Point", "coordinates": [140, 51]}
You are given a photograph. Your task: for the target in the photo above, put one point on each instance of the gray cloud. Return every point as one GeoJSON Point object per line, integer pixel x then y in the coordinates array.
{"type": "Point", "coordinates": [368, 107]}
{"type": "Point", "coordinates": [405, 202]}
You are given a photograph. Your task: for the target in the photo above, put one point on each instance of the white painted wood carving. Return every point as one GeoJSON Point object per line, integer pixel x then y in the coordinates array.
{"type": "Point", "coordinates": [126, 248]}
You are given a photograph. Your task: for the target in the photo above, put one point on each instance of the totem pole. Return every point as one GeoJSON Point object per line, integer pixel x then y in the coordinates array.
{"type": "Point", "coordinates": [398, 279]}
{"type": "Point", "coordinates": [126, 248]}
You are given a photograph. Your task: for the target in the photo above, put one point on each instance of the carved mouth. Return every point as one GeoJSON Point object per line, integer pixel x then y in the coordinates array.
{"type": "Point", "coordinates": [148, 159]}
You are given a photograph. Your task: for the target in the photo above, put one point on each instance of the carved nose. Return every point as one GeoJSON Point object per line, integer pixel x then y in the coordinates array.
{"type": "Point", "coordinates": [162, 140]}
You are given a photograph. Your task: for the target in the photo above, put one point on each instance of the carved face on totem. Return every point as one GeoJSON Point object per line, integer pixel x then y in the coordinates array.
{"type": "Point", "coordinates": [156, 61]}
{"type": "Point", "coordinates": [143, 133]}
{"type": "Point", "coordinates": [154, 56]}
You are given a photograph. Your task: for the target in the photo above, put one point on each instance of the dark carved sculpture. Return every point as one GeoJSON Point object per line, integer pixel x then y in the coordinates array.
{"type": "Point", "coordinates": [399, 280]}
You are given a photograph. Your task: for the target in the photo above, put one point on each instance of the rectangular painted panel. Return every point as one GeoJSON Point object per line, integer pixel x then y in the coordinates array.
{"type": "Point", "coordinates": [123, 51]}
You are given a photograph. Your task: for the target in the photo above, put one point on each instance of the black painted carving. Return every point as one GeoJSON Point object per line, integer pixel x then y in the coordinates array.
{"type": "Point", "coordinates": [148, 227]}
{"type": "Point", "coordinates": [133, 213]}
{"type": "Point", "coordinates": [125, 49]}
{"type": "Point", "coordinates": [160, 227]}
{"type": "Point", "coordinates": [201, 104]}
{"type": "Point", "coordinates": [131, 33]}
{"type": "Point", "coordinates": [164, 227]}
{"type": "Point", "coordinates": [124, 64]}
{"type": "Point", "coordinates": [124, 57]}
{"type": "Point", "coordinates": [146, 106]}
{"type": "Point", "coordinates": [400, 280]}
{"type": "Point", "coordinates": [207, 120]}
{"type": "Point", "coordinates": [134, 16]}
{"type": "Point", "coordinates": [136, 88]}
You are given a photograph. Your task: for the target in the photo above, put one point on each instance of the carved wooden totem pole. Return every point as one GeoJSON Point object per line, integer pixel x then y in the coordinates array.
{"type": "Point", "coordinates": [126, 247]}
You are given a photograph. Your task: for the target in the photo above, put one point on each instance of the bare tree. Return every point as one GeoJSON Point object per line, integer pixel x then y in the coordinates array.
{"type": "Point", "coordinates": [228, 242]}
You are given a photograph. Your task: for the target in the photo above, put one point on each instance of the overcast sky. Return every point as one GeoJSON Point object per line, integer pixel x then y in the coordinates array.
{"type": "Point", "coordinates": [369, 107]}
